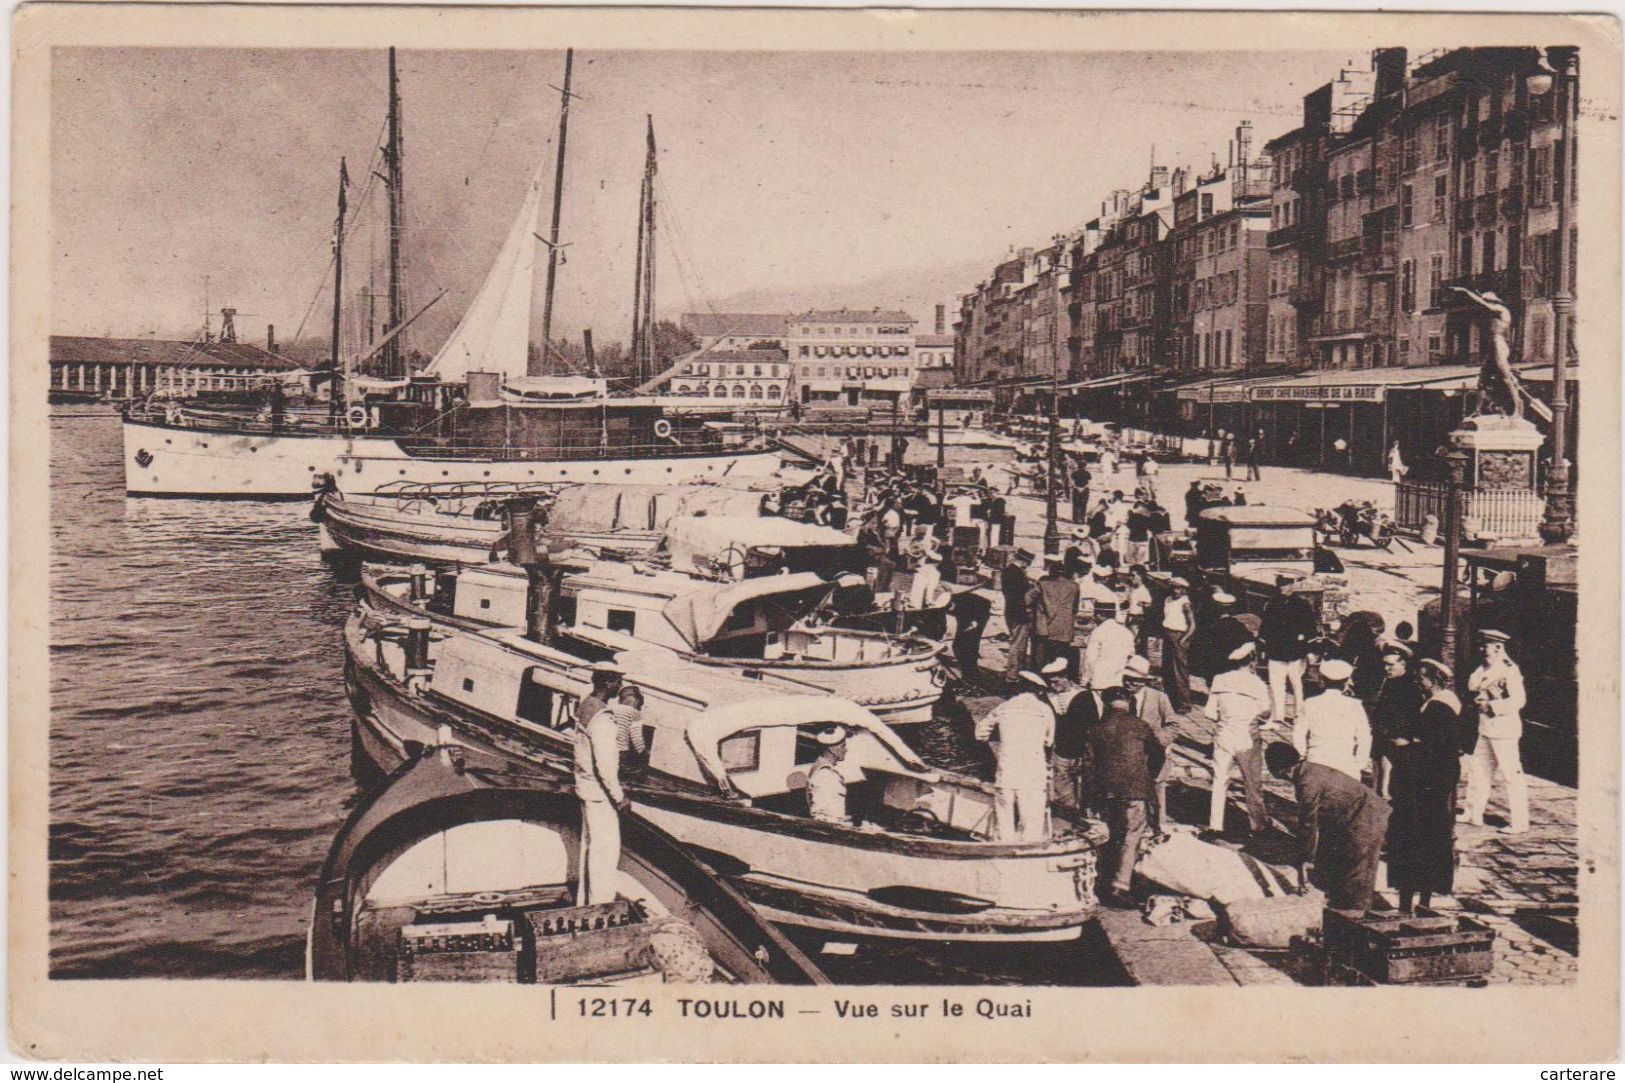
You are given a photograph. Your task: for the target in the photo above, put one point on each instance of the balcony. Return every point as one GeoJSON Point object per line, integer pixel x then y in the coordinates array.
{"type": "Point", "coordinates": [1485, 208]}
{"type": "Point", "coordinates": [1512, 201]}
{"type": "Point", "coordinates": [1464, 213]}
{"type": "Point", "coordinates": [1490, 132]}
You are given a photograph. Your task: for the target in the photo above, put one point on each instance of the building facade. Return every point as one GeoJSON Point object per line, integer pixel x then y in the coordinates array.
{"type": "Point", "coordinates": [123, 368]}
{"type": "Point", "coordinates": [851, 358]}
{"type": "Point", "coordinates": [737, 377]}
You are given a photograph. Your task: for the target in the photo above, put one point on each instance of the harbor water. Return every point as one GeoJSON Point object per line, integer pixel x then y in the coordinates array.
{"type": "Point", "coordinates": [200, 741]}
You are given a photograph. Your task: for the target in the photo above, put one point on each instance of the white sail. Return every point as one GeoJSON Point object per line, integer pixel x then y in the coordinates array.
{"type": "Point", "coordinates": [494, 335]}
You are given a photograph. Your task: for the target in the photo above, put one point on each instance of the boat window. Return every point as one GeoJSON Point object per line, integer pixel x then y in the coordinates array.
{"type": "Point", "coordinates": [742, 751]}
{"type": "Point", "coordinates": [621, 620]}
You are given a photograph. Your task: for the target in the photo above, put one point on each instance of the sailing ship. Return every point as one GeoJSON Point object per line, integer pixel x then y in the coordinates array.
{"type": "Point", "coordinates": [726, 776]}
{"type": "Point", "coordinates": [409, 892]}
{"type": "Point", "coordinates": [484, 409]}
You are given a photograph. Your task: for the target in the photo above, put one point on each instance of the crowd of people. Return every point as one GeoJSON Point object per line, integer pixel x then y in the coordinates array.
{"type": "Point", "coordinates": [1372, 736]}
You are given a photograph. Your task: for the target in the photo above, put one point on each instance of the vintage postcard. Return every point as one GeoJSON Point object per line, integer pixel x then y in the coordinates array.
{"type": "Point", "coordinates": [706, 535]}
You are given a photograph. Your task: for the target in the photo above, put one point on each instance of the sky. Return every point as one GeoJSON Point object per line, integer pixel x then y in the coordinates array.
{"type": "Point", "coordinates": [780, 173]}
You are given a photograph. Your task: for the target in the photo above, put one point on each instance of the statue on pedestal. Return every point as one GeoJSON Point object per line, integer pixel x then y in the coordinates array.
{"type": "Point", "coordinates": [1499, 389]}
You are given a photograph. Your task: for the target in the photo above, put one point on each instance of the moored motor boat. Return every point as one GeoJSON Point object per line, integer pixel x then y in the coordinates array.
{"type": "Point", "coordinates": [447, 523]}
{"type": "Point", "coordinates": [728, 760]}
{"type": "Point", "coordinates": [459, 868]}
{"type": "Point", "coordinates": [757, 626]}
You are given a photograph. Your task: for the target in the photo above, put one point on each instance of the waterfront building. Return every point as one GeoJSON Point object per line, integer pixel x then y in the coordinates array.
{"type": "Point", "coordinates": [738, 377]}
{"type": "Point", "coordinates": [851, 358]}
{"type": "Point", "coordinates": [122, 368]}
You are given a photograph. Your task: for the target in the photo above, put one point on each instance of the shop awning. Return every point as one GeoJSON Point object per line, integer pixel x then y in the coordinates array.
{"type": "Point", "coordinates": [1224, 389]}
{"type": "Point", "coordinates": [1361, 385]}
{"type": "Point", "coordinates": [1121, 379]}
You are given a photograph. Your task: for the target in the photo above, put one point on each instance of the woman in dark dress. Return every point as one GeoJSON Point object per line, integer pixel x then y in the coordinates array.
{"type": "Point", "coordinates": [1426, 768]}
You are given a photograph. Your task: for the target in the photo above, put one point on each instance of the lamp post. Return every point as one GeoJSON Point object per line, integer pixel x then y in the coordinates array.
{"type": "Point", "coordinates": [1557, 526]}
{"type": "Point", "coordinates": [1052, 533]}
{"type": "Point", "coordinates": [1456, 465]}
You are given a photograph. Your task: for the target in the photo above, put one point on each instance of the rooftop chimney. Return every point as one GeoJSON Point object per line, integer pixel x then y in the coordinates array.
{"type": "Point", "coordinates": [270, 338]}
{"type": "Point", "coordinates": [1389, 64]}
{"type": "Point", "coordinates": [942, 319]}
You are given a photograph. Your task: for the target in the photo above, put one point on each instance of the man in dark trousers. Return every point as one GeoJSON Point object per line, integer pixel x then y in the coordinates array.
{"type": "Point", "coordinates": [970, 612]}
{"type": "Point", "coordinates": [1341, 826]}
{"type": "Point", "coordinates": [1289, 624]}
{"type": "Point", "coordinates": [1015, 586]}
{"type": "Point", "coordinates": [1080, 492]}
{"type": "Point", "coordinates": [1195, 501]}
{"type": "Point", "coordinates": [1122, 758]}
{"type": "Point", "coordinates": [1072, 728]}
{"type": "Point", "coordinates": [1255, 449]}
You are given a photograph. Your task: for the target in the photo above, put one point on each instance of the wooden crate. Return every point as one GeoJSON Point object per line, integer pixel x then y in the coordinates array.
{"type": "Point", "coordinates": [587, 941]}
{"type": "Point", "coordinates": [458, 951]}
{"type": "Point", "coordinates": [1396, 949]}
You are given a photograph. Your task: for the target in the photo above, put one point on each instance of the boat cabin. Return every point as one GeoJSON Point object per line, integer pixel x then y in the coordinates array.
{"type": "Point", "coordinates": [723, 732]}
{"type": "Point", "coordinates": [762, 618]}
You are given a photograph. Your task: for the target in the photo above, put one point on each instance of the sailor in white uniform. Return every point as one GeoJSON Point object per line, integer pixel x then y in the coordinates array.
{"type": "Point", "coordinates": [826, 786]}
{"type": "Point", "coordinates": [1022, 731]}
{"type": "Point", "coordinates": [598, 786]}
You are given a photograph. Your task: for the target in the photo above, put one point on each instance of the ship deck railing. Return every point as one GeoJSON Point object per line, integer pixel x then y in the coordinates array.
{"type": "Point", "coordinates": [560, 453]}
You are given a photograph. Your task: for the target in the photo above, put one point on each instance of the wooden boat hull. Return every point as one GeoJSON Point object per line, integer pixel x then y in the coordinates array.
{"type": "Point", "coordinates": [450, 801]}
{"type": "Point", "coordinates": [386, 533]}
{"type": "Point", "coordinates": [831, 878]}
{"type": "Point", "coordinates": [363, 472]}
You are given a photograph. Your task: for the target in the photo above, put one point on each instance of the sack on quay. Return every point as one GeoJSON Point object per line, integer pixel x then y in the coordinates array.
{"type": "Point", "coordinates": [1273, 922]}
{"type": "Point", "coordinates": [1185, 865]}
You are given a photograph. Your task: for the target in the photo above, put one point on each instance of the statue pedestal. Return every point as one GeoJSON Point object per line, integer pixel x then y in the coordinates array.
{"type": "Point", "coordinates": [1500, 499]}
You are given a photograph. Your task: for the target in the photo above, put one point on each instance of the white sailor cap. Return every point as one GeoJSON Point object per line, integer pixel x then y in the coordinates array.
{"type": "Point", "coordinates": [1336, 670]}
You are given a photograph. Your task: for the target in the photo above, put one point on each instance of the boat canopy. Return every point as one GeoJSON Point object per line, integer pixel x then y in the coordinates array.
{"type": "Point", "coordinates": [531, 388]}
{"type": "Point", "coordinates": [587, 508]}
{"type": "Point", "coordinates": [770, 603]}
{"type": "Point", "coordinates": [697, 542]}
{"type": "Point", "coordinates": [710, 728]}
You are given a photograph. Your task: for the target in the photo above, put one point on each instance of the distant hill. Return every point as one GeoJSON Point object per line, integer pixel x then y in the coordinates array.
{"type": "Point", "coordinates": [917, 292]}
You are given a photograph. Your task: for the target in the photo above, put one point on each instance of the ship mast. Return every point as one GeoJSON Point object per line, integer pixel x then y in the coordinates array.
{"type": "Point", "coordinates": [338, 290]}
{"type": "Point", "coordinates": [394, 362]}
{"type": "Point", "coordinates": [643, 286]}
{"type": "Point", "coordinates": [537, 365]}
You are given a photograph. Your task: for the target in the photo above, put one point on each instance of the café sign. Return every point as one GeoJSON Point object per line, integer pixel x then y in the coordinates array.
{"type": "Point", "coordinates": [1319, 393]}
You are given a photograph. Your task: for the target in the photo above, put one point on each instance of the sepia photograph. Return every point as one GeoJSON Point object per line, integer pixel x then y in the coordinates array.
{"type": "Point", "coordinates": [634, 518]}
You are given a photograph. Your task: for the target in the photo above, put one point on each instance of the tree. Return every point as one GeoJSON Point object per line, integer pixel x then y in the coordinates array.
{"type": "Point", "coordinates": [672, 341]}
